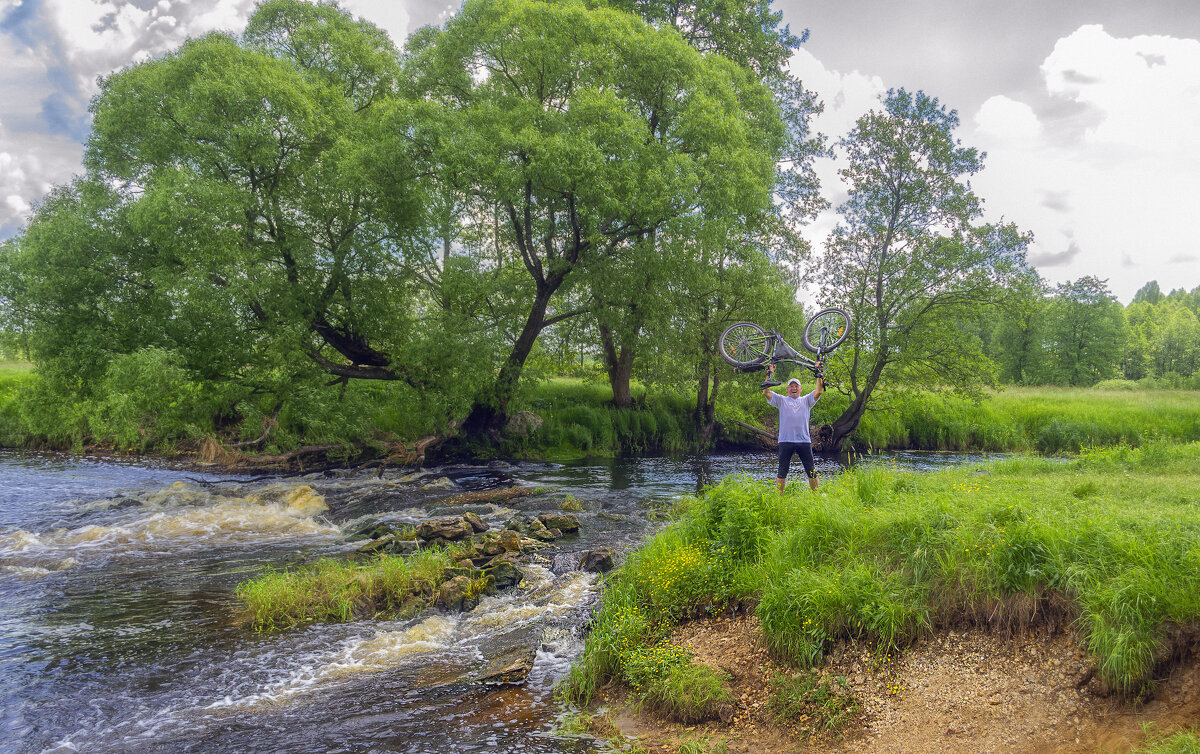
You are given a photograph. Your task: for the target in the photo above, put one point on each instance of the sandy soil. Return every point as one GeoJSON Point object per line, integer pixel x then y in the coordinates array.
{"type": "Point", "coordinates": [967, 692]}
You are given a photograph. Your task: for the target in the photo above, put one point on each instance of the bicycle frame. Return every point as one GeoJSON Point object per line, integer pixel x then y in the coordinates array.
{"type": "Point", "coordinates": [784, 352]}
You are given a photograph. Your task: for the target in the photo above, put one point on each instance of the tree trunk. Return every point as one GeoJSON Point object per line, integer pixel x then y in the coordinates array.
{"type": "Point", "coordinates": [489, 413]}
{"type": "Point", "coordinates": [706, 400]}
{"type": "Point", "coordinates": [845, 424]}
{"type": "Point", "coordinates": [619, 365]}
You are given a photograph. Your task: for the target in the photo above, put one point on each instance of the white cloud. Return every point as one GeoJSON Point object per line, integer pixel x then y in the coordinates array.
{"type": "Point", "coordinates": [29, 166]}
{"type": "Point", "coordinates": [1147, 88]}
{"type": "Point", "coordinates": [846, 96]}
{"type": "Point", "coordinates": [1119, 194]}
{"type": "Point", "coordinates": [392, 17]}
{"type": "Point", "coordinates": [54, 52]}
{"type": "Point", "coordinates": [1007, 121]}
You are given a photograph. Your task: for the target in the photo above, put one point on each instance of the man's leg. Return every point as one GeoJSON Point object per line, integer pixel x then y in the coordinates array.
{"type": "Point", "coordinates": [785, 461]}
{"type": "Point", "coordinates": [810, 467]}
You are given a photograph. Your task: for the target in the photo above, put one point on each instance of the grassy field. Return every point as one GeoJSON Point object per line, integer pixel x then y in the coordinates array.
{"type": "Point", "coordinates": [578, 419]}
{"type": "Point", "coordinates": [9, 368]}
{"type": "Point", "coordinates": [1108, 542]}
{"type": "Point", "coordinates": [1042, 419]}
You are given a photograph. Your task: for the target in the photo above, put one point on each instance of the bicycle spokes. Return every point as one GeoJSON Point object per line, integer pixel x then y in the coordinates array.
{"type": "Point", "coordinates": [746, 344]}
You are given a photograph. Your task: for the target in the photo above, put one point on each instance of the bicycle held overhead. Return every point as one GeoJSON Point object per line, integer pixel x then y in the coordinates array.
{"type": "Point", "coordinates": [747, 347]}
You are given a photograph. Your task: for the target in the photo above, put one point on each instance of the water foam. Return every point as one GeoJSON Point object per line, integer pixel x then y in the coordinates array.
{"type": "Point", "coordinates": [178, 518]}
{"type": "Point", "coordinates": [355, 656]}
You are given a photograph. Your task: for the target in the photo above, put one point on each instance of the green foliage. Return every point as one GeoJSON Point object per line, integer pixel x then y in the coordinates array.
{"type": "Point", "coordinates": [1085, 332]}
{"type": "Point", "coordinates": [578, 418]}
{"type": "Point", "coordinates": [824, 704]}
{"type": "Point", "coordinates": [1048, 420]}
{"type": "Point", "coordinates": [687, 692]}
{"type": "Point", "coordinates": [337, 590]}
{"type": "Point", "coordinates": [1181, 742]}
{"type": "Point", "coordinates": [883, 556]}
{"type": "Point", "coordinates": [909, 257]}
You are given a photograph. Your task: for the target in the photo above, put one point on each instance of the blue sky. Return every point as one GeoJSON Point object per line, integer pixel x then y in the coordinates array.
{"type": "Point", "coordinates": [1089, 110]}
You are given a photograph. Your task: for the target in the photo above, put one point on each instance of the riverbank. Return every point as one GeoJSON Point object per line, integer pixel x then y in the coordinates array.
{"type": "Point", "coordinates": [1017, 419]}
{"type": "Point", "coordinates": [883, 563]}
{"type": "Point", "coordinates": [567, 418]}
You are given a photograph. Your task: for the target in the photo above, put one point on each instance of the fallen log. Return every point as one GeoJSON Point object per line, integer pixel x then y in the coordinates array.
{"type": "Point", "coordinates": [768, 438]}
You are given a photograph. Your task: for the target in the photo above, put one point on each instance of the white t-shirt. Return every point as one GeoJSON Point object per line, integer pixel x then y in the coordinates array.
{"type": "Point", "coordinates": [794, 414]}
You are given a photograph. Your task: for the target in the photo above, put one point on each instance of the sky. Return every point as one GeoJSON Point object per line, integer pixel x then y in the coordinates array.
{"type": "Point", "coordinates": [1088, 110]}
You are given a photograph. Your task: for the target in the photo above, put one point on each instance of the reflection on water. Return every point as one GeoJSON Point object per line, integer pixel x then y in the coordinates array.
{"type": "Point", "coordinates": [118, 627]}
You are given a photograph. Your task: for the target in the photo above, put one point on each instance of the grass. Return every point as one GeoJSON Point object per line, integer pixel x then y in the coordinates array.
{"type": "Point", "coordinates": [1182, 742]}
{"type": "Point", "coordinates": [578, 419]}
{"type": "Point", "coordinates": [1109, 541]}
{"type": "Point", "coordinates": [338, 590]}
{"type": "Point", "coordinates": [665, 678]}
{"type": "Point", "coordinates": [10, 368]}
{"type": "Point", "coordinates": [1042, 419]}
{"type": "Point", "coordinates": [816, 704]}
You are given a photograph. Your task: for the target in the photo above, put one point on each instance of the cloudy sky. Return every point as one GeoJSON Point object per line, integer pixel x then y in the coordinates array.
{"type": "Point", "coordinates": [1089, 110]}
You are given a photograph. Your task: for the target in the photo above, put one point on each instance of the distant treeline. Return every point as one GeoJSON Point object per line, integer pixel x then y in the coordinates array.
{"type": "Point", "coordinates": [1078, 334]}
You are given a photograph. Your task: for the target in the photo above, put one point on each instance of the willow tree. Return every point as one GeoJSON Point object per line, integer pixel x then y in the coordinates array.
{"type": "Point", "coordinates": [641, 300]}
{"type": "Point", "coordinates": [243, 163]}
{"type": "Point", "coordinates": [910, 258]}
{"type": "Point", "coordinates": [588, 130]}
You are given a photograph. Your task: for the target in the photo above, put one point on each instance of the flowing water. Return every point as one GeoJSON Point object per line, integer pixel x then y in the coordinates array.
{"type": "Point", "coordinates": [119, 630]}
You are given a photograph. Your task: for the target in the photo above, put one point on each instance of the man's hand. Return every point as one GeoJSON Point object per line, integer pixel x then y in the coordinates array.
{"type": "Point", "coordinates": [766, 386]}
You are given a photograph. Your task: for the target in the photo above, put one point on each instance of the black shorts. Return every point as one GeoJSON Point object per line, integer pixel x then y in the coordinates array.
{"type": "Point", "coordinates": [804, 449]}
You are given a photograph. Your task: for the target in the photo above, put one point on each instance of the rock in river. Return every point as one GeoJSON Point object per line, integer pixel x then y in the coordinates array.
{"type": "Point", "coordinates": [450, 528]}
{"type": "Point", "coordinates": [511, 667]}
{"type": "Point", "coordinates": [599, 560]}
{"type": "Point", "coordinates": [567, 522]}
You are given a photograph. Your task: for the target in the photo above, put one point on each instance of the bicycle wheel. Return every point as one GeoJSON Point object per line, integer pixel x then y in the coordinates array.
{"type": "Point", "coordinates": [826, 330]}
{"type": "Point", "coordinates": [745, 344]}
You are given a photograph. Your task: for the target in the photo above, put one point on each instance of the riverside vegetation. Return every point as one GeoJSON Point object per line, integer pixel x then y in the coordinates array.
{"type": "Point", "coordinates": [149, 406]}
{"type": "Point", "coordinates": [1106, 542]}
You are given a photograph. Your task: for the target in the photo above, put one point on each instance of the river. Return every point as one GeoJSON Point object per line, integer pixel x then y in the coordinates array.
{"type": "Point", "coordinates": [119, 630]}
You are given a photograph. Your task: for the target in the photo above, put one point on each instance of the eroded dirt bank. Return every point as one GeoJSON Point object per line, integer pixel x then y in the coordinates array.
{"type": "Point", "coordinates": [965, 692]}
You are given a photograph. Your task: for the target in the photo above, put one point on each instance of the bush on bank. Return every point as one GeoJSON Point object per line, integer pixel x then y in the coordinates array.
{"type": "Point", "coordinates": [148, 402]}
{"type": "Point", "coordinates": [1110, 540]}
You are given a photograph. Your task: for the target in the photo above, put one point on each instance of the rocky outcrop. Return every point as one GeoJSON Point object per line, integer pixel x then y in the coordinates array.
{"type": "Point", "coordinates": [477, 523]}
{"type": "Point", "coordinates": [599, 560]}
{"type": "Point", "coordinates": [372, 529]}
{"type": "Point", "coordinates": [565, 522]}
{"type": "Point", "coordinates": [446, 529]}
{"type": "Point", "coordinates": [511, 667]}
{"type": "Point", "coordinates": [460, 593]}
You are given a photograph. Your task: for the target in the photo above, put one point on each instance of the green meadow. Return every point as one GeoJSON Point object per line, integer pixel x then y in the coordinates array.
{"type": "Point", "coordinates": [1108, 543]}
{"type": "Point", "coordinates": [1037, 419]}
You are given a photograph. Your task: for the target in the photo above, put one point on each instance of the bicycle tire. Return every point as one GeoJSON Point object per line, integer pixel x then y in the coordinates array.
{"type": "Point", "coordinates": [839, 324]}
{"type": "Point", "coordinates": [745, 344]}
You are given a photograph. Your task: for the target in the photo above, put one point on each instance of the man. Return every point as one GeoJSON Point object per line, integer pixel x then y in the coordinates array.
{"type": "Point", "coordinates": [794, 413]}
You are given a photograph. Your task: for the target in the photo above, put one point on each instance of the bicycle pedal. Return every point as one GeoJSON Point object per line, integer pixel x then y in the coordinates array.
{"type": "Point", "coordinates": [771, 383]}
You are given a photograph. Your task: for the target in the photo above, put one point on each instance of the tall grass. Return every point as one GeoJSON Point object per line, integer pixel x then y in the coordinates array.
{"type": "Point", "coordinates": [338, 590]}
{"type": "Point", "coordinates": [578, 418]}
{"type": "Point", "coordinates": [1110, 541]}
{"type": "Point", "coordinates": [1043, 419]}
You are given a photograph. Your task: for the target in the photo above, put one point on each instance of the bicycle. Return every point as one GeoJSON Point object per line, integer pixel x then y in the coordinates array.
{"type": "Point", "coordinates": [747, 346]}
